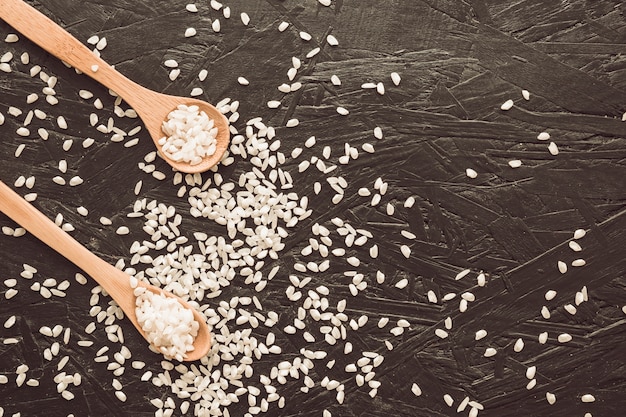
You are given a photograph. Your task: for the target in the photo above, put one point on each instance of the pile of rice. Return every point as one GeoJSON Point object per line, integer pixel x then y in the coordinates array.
{"type": "Point", "coordinates": [190, 135]}
{"type": "Point", "coordinates": [169, 326]}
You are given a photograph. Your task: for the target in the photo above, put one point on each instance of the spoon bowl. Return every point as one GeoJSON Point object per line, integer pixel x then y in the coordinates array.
{"type": "Point", "coordinates": [114, 281]}
{"type": "Point", "coordinates": [202, 341]}
{"type": "Point", "coordinates": [151, 106]}
{"type": "Point", "coordinates": [160, 107]}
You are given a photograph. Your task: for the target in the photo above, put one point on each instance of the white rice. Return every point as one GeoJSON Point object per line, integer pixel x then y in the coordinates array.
{"type": "Point", "coordinates": [543, 136]}
{"type": "Point", "coordinates": [507, 105]}
{"type": "Point", "coordinates": [553, 149]}
{"type": "Point", "coordinates": [191, 135]}
{"type": "Point", "coordinates": [471, 173]}
{"type": "Point", "coordinates": [587, 398]}
{"type": "Point", "coordinates": [168, 326]}
{"type": "Point", "coordinates": [395, 78]}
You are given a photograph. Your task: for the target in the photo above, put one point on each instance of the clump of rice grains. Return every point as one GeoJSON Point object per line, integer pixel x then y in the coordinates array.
{"type": "Point", "coordinates": [190, 135]}
{"type": "Point", "coordinates": [169, 326]}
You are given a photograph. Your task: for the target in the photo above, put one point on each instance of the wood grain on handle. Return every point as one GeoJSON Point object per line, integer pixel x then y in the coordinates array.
{"type": "Point", "coordinates": [40, 226]}
{"type": "Point", "coordinates": [57, 41]}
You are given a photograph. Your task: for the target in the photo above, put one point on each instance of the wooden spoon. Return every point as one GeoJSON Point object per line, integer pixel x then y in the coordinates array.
{"type": "Point", "coordinates": [151, 106]}
{"type": "Point", "coordinates": [115, 282]}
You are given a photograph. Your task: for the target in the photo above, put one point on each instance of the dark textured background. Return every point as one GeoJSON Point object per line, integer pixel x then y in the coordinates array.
{"type": "Point", "coordinates": [459, 60]}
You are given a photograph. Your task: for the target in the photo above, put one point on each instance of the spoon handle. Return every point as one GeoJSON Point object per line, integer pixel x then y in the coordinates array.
{"type": "Point", "coordinates": [31, 219]}
{"type": "Point", "coordinates": [57, 41]}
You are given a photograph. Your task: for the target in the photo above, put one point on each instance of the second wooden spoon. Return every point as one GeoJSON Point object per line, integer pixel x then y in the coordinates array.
{"type": "Point", "coordinates": [115, 282]}
{"type": "Point", "coordinates": [151, 106]}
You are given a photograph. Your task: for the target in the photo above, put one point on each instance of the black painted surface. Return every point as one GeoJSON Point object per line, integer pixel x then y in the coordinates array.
{"type": "Point", "coordinates": [459, 61]}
